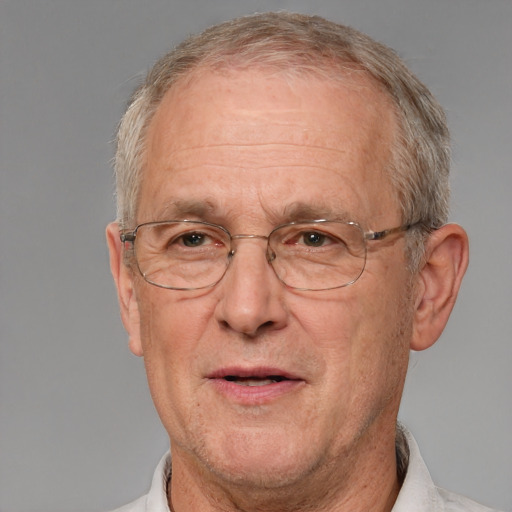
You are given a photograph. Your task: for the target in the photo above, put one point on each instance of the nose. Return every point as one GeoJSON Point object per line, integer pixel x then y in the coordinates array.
{"type": "Point", "coordinates": [252, 297]}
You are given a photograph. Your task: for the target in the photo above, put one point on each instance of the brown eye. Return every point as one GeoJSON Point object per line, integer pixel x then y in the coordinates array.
{"type": "Point", "coordinates": [314, 239]}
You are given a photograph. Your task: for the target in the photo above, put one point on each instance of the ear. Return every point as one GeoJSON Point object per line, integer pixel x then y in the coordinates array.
{"type": "Point", "coordinates": [438, 283]}
{"type": "Point", "coordinates": [123, 277]}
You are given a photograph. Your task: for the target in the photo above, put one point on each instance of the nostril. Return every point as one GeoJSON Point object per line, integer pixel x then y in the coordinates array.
{"type": "Point", "coordinates": [260, 329]}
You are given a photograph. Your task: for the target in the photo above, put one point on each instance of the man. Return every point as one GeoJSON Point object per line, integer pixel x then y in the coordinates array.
{"type": "Point", "coordinates": [281, 245]}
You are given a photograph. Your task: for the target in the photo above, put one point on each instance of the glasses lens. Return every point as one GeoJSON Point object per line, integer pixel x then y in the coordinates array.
{"type": "Point", "coordinates": [182, 255]}
{"type": "Point", "coordinates": [318, 255]}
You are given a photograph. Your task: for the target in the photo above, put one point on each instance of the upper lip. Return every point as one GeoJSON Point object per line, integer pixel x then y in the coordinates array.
{"type": "Point", "coordinates": [260, 372]}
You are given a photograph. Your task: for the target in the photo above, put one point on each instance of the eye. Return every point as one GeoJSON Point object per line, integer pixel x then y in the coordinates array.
{"type": "Point", "coordinates": [309, 239]}
{"type": "Point", "coordinates": [314, 239]}
{"type": "Point", "coordinates": [194, 239]}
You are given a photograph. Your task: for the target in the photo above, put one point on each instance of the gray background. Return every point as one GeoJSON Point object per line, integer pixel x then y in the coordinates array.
{"type": "Point", "coordinates": [77, 427]}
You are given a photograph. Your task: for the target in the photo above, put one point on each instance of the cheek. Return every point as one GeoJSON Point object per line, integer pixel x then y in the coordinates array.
{"type": "Point", "coordinates": [329, 330]}
{"type": "Point", "coordinates": [331, 319]}
{"type": "Point", "coordinates": [170, 320]}
{"type": "Point", "coordinates": [361, 332]}
{"type": "Point", "coordinates": [172, 329]}
{"type": "Point", "coordinates": [383, 351]}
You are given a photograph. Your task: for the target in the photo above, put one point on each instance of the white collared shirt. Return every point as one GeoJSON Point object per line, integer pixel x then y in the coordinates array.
{"type": "Point", "coordinates": [417, 494]}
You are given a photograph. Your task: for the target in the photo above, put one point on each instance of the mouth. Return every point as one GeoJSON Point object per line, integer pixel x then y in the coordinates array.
{"type": "Point", "coordinates": [256, 376]}
{"type": "Point", "coordinates": [255, 381]}
{"type": "Point", "coordinates": [254, 386]}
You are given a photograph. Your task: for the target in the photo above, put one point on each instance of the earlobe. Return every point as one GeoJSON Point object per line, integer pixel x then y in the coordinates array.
{"type": "Point", "coordinates": [438, 283]}
{"type": "Point", "coordinates": [123, 278]}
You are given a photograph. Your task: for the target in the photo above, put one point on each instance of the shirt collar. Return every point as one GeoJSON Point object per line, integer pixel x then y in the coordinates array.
{"type": "Point", "coordinates": [418, 491]}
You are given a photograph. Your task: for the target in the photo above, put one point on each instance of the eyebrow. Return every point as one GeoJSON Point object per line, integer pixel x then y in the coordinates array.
{"type": "Point", "coordinates": [298, 211]}
{"type": "Point", "coordinates": [185, 208]}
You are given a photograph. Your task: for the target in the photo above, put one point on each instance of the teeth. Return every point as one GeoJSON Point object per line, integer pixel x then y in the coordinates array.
{"type": "Point", "coordinates": [255, 382]}
{"type": "Point", "coordinates": [248, 381]}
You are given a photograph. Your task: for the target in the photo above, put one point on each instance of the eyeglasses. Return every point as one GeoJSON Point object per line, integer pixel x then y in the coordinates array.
{"type": "Point", "coordinates": [192, 255]}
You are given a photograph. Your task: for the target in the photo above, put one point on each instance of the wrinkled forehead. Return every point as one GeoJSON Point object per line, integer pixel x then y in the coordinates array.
{"type": "Point", "coordinates": [310, 98]}
{"type": "Point", "coordinates": [256, 119]}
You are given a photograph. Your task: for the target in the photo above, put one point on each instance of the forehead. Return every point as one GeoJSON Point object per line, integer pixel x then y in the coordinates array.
{"type": "Point", "coordinates": [251, 129]}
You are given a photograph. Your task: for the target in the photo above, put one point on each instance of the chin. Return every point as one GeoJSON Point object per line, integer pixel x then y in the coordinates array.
{"type": "Point", "coordinates": [261, 460]}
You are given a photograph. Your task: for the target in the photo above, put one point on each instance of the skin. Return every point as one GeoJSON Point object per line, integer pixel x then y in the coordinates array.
{"type": "Point", "coordinates": [252, 146]}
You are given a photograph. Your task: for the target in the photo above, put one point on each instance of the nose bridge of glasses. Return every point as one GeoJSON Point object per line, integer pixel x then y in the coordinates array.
{"type": "Point", "coordinates": [238, 237]}
{"type": "Point", "coordinates": [270, 256]}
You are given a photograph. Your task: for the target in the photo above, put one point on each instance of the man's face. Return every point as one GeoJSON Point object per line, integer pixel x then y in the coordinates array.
{"type": "Point", "coordinates": [250, 150]}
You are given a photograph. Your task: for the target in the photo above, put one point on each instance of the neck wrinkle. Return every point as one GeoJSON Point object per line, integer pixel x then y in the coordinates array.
{"type": "Point", "coordinates": [368, 488]}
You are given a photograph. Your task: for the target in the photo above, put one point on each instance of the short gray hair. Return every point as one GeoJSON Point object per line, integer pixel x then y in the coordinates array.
{"type": "Point", "coordinates": [302, 45]}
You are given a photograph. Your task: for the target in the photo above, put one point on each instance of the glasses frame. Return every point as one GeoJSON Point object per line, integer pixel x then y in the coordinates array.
{"type": "Point", "coordinates": [131, 236]}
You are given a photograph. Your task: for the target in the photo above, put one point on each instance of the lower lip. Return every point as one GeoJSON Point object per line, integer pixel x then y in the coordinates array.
{"type": "Point", "coordinates": [255, 395]}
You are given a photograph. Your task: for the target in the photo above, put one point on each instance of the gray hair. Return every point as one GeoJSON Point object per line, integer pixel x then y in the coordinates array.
{"type": "Point", "coordinates": [302, 45]}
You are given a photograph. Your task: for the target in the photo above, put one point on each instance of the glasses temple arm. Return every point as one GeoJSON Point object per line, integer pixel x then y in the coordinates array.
{"type": "Point", "coordinates": [379, 235]}
{"type": "Point", "coordinates": [127, 237]}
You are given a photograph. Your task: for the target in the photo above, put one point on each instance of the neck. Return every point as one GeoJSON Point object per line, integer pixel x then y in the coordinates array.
{"type": "Point", "coordinates": [366, 481]}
